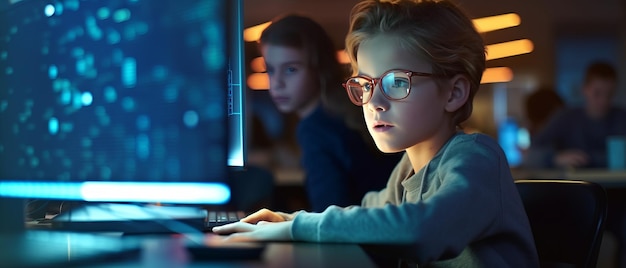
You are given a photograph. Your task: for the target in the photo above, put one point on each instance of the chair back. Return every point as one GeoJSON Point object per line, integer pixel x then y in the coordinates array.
{"type": "Point", "coordinates": [567, 218]}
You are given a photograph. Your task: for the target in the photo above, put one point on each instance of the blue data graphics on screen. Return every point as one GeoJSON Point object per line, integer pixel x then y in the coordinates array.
{"type": "Point", "coordinates": [114, 90]}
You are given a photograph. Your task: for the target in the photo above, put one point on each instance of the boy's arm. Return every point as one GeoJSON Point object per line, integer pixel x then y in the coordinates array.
{"type": "Point", "coordinates": [465, 205]}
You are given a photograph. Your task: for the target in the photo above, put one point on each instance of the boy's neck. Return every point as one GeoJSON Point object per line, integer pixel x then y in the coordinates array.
{"type": "Point", "coordinates": [421, 153]}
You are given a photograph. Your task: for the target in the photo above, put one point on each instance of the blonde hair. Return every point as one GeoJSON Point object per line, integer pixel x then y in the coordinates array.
{"type": "Point", "coordinates": [437, 31]}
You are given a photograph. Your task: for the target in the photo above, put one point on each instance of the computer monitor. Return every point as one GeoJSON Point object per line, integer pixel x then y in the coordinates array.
{"type": "Point", "coordinates": [120, 101]}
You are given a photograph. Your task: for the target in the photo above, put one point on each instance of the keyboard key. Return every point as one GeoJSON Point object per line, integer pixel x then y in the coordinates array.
{"type": "Point", "coordinates": [217, 218]}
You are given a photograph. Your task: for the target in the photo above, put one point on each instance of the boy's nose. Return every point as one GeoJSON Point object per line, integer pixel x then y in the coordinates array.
{"type": "Point", "coordinates": [378, 102]}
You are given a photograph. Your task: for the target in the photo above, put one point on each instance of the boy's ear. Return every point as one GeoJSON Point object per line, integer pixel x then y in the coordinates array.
{"type": "Point", "coordinates": [459, 93]}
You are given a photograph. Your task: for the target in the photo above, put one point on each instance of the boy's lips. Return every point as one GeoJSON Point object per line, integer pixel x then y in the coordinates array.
{"type": "Point", "coordinates": [381, 126]}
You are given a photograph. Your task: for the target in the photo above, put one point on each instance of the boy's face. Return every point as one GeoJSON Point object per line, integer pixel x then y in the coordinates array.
{"type": "Point", "coordinates": [598, 93]}
{"type": "Point", "coordinates": [293, 86]}
{"type": "Point", "coordinates": [417, 120]}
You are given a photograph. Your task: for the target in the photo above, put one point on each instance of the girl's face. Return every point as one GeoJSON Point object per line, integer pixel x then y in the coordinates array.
{"type": "Point", "coordinates": [419, 120]}
{"type": "Point", "coordinates": [293, 86]}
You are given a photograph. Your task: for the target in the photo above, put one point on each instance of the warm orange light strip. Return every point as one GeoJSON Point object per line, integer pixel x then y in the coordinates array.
{"type": "Point", "coordinates": [342, 57]}
{"type": "Point", "coordinates": [508, 49]}
{"type": "Point", "coordinates": [258, 81]}
{"type": "Point", "coordinates": [492, 23]}
{"type": "Point", "coordinates": [257, 65]}
{"type": "Point", "coordinates": [252, 34]}
{"type": "Point", "coordinates": [497, 75]}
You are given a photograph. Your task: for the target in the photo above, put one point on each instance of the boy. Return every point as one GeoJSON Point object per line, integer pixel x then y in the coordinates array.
{"type": "Point", "coordinates": [451, 200]}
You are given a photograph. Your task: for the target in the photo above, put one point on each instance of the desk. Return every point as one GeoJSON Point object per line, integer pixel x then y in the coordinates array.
{"type": "Point", "coordinates": [39, 248]}
{"type": "Point", "coordinates": [604, 177]}
{"type": "Point", "coordinates": [279, 255]}
{"type": "Point", "coordinates": [307, 255]}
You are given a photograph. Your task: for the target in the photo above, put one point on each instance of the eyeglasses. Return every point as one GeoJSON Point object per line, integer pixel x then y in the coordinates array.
{"type": "Point", "coordinates": [394, 84]}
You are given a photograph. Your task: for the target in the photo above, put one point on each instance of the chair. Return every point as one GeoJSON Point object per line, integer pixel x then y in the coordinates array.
{"type": "Point", "coordinates": [567, 218]}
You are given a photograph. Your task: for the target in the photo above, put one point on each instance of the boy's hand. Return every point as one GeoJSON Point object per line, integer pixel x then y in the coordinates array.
{"type": "Point", "coordinates": [262, 231]}
{"type": "Point", "coordinates": [263, 215]}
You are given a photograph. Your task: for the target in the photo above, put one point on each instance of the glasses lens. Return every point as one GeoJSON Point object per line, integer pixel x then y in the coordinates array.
{"type": "Point", "coordinates": [355, 89]}
{"type": "Point", "coordinates": [396, 85]}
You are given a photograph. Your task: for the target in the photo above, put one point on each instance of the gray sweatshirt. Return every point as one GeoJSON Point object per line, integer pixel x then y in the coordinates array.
{"type": "Point", "coordinates": [461, 210]}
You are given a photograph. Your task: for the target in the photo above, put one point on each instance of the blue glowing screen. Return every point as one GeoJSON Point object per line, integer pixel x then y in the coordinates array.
{"type": "Point", "coordinates": [120, 90]}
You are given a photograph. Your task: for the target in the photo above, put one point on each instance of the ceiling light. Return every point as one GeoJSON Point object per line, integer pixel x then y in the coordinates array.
{"type": "Point", "coordinates": [258, 81]}
{"type": "Point", "coordinates": [257, 65]}
{"type": "Point", "coordinates": [252, 34]}
{"type": "Point", "coordinates": [497, 75]}
{"type": "Point", "coordinates": [508, 49]}
{"type": "Point", "coordinates": [492, 23]}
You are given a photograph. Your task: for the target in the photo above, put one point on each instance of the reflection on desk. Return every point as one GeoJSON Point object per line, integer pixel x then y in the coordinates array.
{"type": "Point", "coordinates": [38, 248]}
{"type": "Point", "coordinates": [315, 255]}
{"type": "Point", "coordinates": [276, 255]}
{"type": "Point", "coordinates": [604, 177]}
{"type": "Point", "coordinates": [46, 249]}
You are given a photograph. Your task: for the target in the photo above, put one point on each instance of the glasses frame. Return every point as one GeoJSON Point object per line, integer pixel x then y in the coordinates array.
{"type": "Point", "coordinates": [376, 80]}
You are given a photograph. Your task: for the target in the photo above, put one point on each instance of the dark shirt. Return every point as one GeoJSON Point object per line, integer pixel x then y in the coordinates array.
{"type": "Point", "coordinates": [573, 129]}
{"type": "Point", "coordinates": [339, 166]}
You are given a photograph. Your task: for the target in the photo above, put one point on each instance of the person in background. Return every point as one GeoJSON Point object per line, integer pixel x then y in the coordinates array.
{"type": "Point", "coordinates": [540, 106]}
{"type": "Point", "coordinates": [339, 163]}
{"type": "Point", "coordinates": [451, 201]}
{"type": "Point", "coordinates": [576, 137]}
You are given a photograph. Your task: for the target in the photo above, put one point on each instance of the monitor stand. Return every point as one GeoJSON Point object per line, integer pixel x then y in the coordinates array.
{"type": "Point", "coordinates": [131, 218]}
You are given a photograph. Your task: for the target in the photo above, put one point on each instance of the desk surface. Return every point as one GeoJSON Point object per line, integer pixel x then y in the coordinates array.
{"type": "Point", "coordinates": [39, 248]}
{"type": "Point", "coordinates": [607, 178]}
{"type": "Point", "coordinates": [308, 255]}
{"type": "Point", "coordinates": [292, 254]}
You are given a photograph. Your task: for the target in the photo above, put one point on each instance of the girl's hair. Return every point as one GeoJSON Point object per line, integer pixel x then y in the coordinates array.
{"type": "Point", "coordinates": [301, 32]}
{"type": "Point", "coordinates": [437, 31]}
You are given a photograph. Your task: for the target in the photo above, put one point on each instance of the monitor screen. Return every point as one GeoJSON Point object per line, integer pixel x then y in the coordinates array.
{"type": "Point", "coordinates": [121, 100]}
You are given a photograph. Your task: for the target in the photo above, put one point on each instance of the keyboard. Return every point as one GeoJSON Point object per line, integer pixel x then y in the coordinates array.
{"type": "Point", "coordinates": [142, 219]}
{"type": "Point", "coordinates": [217, 218]}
